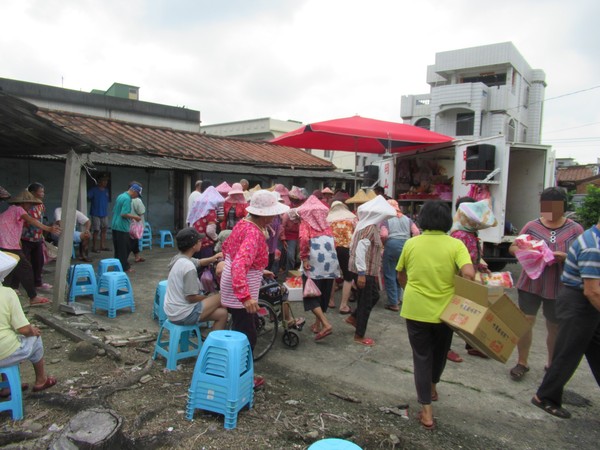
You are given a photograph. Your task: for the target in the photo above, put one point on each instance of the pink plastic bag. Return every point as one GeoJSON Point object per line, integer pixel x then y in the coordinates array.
{"type": "Point", "coordinates": [534, 255]}
{"type": "Point", "coordinates": [136, 229]}
{"type": "Point", "coordinates": [311, 289]}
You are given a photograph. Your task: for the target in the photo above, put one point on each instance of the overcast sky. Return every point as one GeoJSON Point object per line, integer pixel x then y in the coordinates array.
{"type": "Point", "coordinates": [305, 60]}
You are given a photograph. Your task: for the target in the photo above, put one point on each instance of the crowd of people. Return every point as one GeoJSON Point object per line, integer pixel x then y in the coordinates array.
{"type": "Point", "coordinates": [237, 236]}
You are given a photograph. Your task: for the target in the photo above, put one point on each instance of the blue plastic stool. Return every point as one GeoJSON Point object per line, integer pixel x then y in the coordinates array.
{"type": "Point", "coordinates": [13, 382]}
{"type": "Point", "coordinates": [180, 345]}
{"type": "Point", "coordinates": [82, 281]}
{"type": "Point", "coordinates": [114, 293]}
{"type": "Point", "coordinates": [223, 380]}
{"type": "Point", "coordinates": [334, 444]}
{"type": "Point", "coordinates": [108, 265]}
{"type": "Point", "coordinates": [166, 238]}
{"type": "Point", "coordinates": [158, 311]}
{"type": "Point", "coordinates": [146, 240]}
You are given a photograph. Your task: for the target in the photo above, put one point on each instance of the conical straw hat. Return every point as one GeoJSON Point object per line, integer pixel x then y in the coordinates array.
{"type": "Point", "coordinates": [359, 197]}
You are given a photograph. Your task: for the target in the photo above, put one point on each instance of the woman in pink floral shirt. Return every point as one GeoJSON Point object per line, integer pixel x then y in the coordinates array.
{"type": "Point", "coordinates": [11, 223]}
{"type": "Point", "coordinates": [246, 256]}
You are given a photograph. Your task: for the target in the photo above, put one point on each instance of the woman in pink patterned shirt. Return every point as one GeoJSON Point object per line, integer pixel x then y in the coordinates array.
{"type": "Point", "coordinates": [246, 256]}
{"type": "Point", "coordinates": [11, 223]}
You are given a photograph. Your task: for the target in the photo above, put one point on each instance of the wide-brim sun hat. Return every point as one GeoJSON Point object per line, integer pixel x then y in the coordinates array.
{"type": "Point", "coordinates": [264, 203]}
{"type": "Point", "coordinates": [24, 197]}
{"type": "Point", "coordinates": [327, 191]}
{"type": "Point", "coordinates": [236, 188]}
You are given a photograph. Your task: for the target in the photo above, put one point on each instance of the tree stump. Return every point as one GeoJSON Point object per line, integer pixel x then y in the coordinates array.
{"type": "Point", "coordinates": [94, 428]}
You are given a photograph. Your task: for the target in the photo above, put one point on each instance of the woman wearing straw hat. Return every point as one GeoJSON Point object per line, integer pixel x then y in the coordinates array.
{"type": "Point", "coordinates": [245, 256]}
{"type": "Point", "coordinates": [11, 224]}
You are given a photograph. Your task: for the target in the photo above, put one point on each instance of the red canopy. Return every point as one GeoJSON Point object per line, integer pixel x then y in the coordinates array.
{"type": "Point", "coordinates": [359, 134]}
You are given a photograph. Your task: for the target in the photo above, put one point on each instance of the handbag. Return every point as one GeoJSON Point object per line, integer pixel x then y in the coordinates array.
{"type": "Point", "coordinates": [136, 229]}
{"type": "Point", "coordinates": [207, 280]}
{"type": "Point", "coordinates": [311, 289]}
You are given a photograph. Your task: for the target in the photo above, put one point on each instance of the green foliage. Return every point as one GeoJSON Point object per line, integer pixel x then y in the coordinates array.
{"type": "Point", "coordinates": [589, 213]}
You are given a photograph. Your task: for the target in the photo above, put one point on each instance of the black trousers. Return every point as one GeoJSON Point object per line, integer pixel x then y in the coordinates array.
{"type": "Point", "coordinates": [244, 322]}
{"type": "Point", "coordinates": [21, 274]}
{"type": "Point", "coordinates": [366, 298]}
{"type": "Point", "coordinates": [578, 336]}
{"type": "Point", "coordinates": [34, 252]}
{"type": "Point", "coordinates": [122, 246]}
{"type": "Point", "coordinates": [430, 343]}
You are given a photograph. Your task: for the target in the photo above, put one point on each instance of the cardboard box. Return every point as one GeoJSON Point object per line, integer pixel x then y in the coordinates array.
{"type": "Point", "coordinates": [486, 318]}
{"type": "Point", "coordinates": [295, 294]}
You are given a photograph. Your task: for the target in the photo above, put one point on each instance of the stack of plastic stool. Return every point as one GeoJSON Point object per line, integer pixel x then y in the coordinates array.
{"type": "Point", "coordinates": [334, 444]}
{"type": "Point", "coordinates": [223, 380]}
{"type": "Point", "coordinates": [13, 382]}
{"type": "Point", "coordinates": [114, 293]}
{"type": "Point", "coordinates": [158, 311]}
{"type": "Point", "coordinates": [166, 238]}
{"type": "Point", "coordinates": [109, 265]}
{"type": "Point", "coordinates": [180, 345]}
{"type": "Point", "coordinates": [82, 281]}
{"type": "Point", "coordinates": [146, 240]}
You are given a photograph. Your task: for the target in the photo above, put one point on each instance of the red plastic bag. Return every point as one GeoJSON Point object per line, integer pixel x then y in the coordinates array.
{"type": "Point", "coordinates": [311, 289]}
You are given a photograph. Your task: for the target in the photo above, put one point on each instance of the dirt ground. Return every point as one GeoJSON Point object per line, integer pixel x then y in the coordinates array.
{"type": "Point", "coordinates": [290, 411]}
{"type": "Point", "coordinates": [330, 388]}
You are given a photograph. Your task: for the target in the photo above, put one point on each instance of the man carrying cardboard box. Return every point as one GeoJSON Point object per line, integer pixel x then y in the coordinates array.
{"type": "Point", "coordinates": [578, 310]}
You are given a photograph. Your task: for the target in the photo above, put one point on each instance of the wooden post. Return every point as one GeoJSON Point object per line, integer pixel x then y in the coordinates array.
{"type": "Point", "coordinates": [65, 244]}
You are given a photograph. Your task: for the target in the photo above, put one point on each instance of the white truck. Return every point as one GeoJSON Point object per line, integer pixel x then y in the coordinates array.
{"type": "Point", "coordinates": [514, 174]}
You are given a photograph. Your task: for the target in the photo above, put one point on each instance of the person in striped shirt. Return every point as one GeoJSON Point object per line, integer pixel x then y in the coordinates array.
{"type": "Point", "coordinates": [559, 233]}
{"type": "Point", "coordinates": [578, 309]}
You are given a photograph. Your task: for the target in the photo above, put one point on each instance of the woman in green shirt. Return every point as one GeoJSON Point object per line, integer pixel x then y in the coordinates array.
{"type": "Point", "coordinates": [427, 267]}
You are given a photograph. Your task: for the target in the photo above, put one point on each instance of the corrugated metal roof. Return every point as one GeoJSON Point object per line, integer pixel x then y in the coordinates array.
{"type": "Point", "coordinates": [160, 163]}
{"type": "Point", "coordinates": [130, 138]}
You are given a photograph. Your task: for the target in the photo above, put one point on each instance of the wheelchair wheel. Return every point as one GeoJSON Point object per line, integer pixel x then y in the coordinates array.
{"type": "Point", "coordinates": [290, 338]}
{"type": "Point", "coordinates": [266, 329]}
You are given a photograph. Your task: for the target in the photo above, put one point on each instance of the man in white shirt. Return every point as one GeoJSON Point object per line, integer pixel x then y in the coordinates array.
{"type": "Point", "coordinates": [79, 237]}
{"type": "Point", "coordinates": [195, 195]}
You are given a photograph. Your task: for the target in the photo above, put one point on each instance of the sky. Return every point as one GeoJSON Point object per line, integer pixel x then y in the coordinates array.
{"type": "Point", "coordinates": [304, 60]}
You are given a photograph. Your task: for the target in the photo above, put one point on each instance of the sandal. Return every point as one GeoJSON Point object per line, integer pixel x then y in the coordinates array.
{"type": "Point", "coordinates": [475, 352]}
{"type": "Point", "coordinates": [5, 392]}
{"type": "Point", "coordinates": [50, 381]}
{"type": "Point", "coordinates": [330, 306]}
{"type": "Point", "coordinates": [351, 320]}
{"type": "Point", "coordinates": [348, 310]}
{"type": "Point", "coordinates": [323, 334]}
{"type": "Point", "coordinates": [140, 260]}
{"type": "Point", "coordinates": [315, 328]}
{"type": "Point", "coordinates": [518, 372]}
{"type": "Point", "coordinates": [367, 342]}
{"type": "Point", "coordinates": [297, 323]}
{"type": "Point", "coordinates": [551, 408]}
{"type": "Point", "coordinates": [427, 426]}
{"type": "Point", "coordinates": [41, 301]}
{"type": "Point", "coordinates": [258, 381]}
{"type": "Point", "coordinates": [394, 308]}
{"type": "Point", "coordinates": [454, 357]}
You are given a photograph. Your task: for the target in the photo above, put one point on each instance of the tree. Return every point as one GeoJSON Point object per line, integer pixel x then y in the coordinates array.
{"type": "Point", "coordinates": [589, 213]}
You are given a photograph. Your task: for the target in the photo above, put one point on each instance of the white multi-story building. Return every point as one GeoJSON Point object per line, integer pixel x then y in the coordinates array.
{"type": "Point", "coordinates": [480, 92]}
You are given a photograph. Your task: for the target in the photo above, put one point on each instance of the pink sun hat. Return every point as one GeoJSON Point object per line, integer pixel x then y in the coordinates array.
{"type": "Point", "coordinates": [265, 203]}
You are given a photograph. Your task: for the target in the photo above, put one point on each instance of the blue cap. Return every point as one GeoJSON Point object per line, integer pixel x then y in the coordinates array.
{"type": "Point", "coordinates": [137, 188]}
